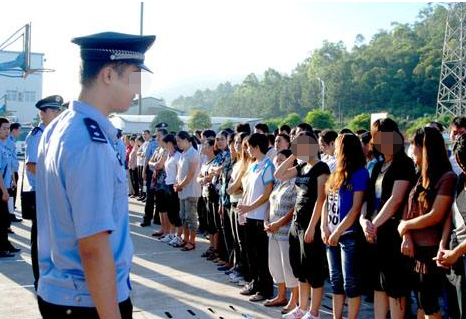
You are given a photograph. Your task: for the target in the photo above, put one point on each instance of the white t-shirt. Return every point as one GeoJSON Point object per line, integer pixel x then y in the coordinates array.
{"type": "Point", "coordinates": [171, 167]}
{"type": "Point", "coordinates": [259, 176]}
{"type": "Point", "coordinates": [193, 188]}
{"type": "Point", "coordinates": [331, 161]}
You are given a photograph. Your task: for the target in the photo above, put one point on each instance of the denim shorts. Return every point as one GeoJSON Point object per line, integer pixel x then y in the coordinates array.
{"type": "Point", "coordinates": [188, 212]}
{"type": "Point", "coordinates": [344, 264]}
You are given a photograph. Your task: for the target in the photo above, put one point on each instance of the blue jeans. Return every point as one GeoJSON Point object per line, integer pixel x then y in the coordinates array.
{"type": "Point", "coordinates": [344, 263]}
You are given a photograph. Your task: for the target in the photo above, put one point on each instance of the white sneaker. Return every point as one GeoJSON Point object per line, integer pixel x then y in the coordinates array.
{"type": "Point", "coordinates": [297, 313]}
{"type": "Point", "coordinates": [242, 282]}
{"type": "Point", "coordinates": [172, 241]}
{"type": "Point", "coordinates": [166, 239]}
{"type": "Point", "coordinates": [177, 240]}
{"type": "Point", "coordinates": [309, 315]}
{"type": "Point", "coordinates": [235, 278]}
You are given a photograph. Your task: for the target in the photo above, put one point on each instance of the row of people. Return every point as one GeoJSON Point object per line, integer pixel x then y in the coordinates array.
{"type": "Point", "coordinates": [317, 204]}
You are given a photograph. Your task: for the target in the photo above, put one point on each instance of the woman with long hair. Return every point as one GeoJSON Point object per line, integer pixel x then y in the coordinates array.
{"type": "Point", "coordinates": [346, 189]}
{"type": "Point", "coordinates": [389, 187]}
{"type": "Point", "coordinates": [421, 228]}
{"type": "Point", "coordinates": [306, 249]}
{"type": "Point", "coordinates": [240, 274]}
{"type": "Point", "coordinates": [187, 188]}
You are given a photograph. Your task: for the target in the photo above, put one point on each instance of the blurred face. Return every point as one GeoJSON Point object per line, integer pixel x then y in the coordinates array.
{"type": "Point", "coordinates": [456, 131]}
{"type": "Point", "coordinates": [417, 154]}
{"type": "Point", "coordinates": [304, 148]}
{"type": "Point", "coordinates": [237, 145]}
{"type": "Point", "coordinates": [4, 131]}
{"type": "Point", "coordinates": [256, 130]}
{"type": "Point", "coordinates": [388, 143]}
{"type": "Point", "coordinates": [280, 159]}
{"type": "Point", "coordinates": [281, 143]}
{"type": "Point", "coordinates": [146, 136]}
{"type": "Point", "coordinates": [15, 133]}
{"type": "Point", "coordinates": [131, 142]}
{"type": "Point", "coordinates": [47, 115]}
{"type": "Point", "coordinates": [365, 148]}
{"type": "Point", "coordinates": [222, 142]}
{"type": "Point", "coordinates": [122, 87]}
{"type": "Point", "coordinates": [183, 144]}
{"type": "Point", "coordinates": [207, 149]}
{"type": "Point", "coordinates": [328, 149]}
{"type": "Point", "coordinates": [253, 151]}
{"type": "Point", "coordinates": [159, 137]}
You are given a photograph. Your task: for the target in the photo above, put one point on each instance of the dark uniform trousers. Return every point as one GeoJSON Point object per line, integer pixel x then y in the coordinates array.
{"type": "Point", "coordinates": [4, 225]}
{"type": "Point", "coordinates": [52, 311]}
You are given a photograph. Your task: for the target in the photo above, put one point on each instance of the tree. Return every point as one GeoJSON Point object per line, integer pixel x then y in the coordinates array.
{"type": "Point", "coordinates": [360, 122]}
{"type": "Point", "coordinates": [417, 124]}
{"type": "Point", "coordinates": [199, 120]}
{"type": "Point", "coordinates": [320, 119]}
{"type": "Point", "coordinates": [292, 120]}
{"type": "Point", "coordinates": [227, 124]}
{"type": "Point", "coordinates": [273, 124]}
{"type": "Point", "coordinates": [171, 118]}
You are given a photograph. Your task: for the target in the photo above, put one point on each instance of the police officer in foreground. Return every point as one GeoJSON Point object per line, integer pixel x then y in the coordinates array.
{"type": "Point", "coordinates": [49, 109]}
{"type": "Point", "coordinates": [85, 249]}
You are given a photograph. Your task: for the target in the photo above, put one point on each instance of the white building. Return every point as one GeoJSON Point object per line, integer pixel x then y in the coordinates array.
{"type": "Point", "coordinates": [21, 93]}
{"type": "Point", "coordinates": [135, 124]}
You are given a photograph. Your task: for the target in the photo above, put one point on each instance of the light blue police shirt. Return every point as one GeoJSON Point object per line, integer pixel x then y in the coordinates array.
{"type": "Point", "coordinates": [5, 167]}
{"type": "Point", "coordinates": [11, 142]}
{"type": "Point", "coordinates": [32, 145]}
{"type": "Point", "coordinates": [81, 191]}
{"type": "Point", "coordinates": [151, 146]}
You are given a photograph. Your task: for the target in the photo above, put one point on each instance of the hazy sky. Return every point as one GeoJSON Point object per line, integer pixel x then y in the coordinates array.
{"type": "Point", "coordinates": [199, 43]}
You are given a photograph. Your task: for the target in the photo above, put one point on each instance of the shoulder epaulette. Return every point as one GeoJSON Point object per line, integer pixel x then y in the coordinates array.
{"type": "Point", "coordinates": [94, 130]}
{"type": "Point", "coordinates": [36, 130]}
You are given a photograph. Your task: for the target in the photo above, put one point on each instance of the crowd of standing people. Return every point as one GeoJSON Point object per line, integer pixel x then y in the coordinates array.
{"type": "Point", "coordinates": [298, 205]}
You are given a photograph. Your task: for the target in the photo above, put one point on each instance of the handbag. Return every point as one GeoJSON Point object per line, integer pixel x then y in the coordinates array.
{"type": "Point", "coordinates": [28, 201]}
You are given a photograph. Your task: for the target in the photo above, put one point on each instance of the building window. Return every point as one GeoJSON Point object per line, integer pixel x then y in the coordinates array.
{"type": "Point", "coordinates": [29, 96]}
{"type": "Point", "coordinates": [11, 95]}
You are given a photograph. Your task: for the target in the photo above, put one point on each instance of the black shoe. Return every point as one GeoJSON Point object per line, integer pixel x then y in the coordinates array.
{"type": "Point", "coordinates": [4, 254]}
{"type": "Point", "coordinates": [143, 200]}
{"type": "Point", "coordinates": [13, 218]}
{"type": "Point", "coordinates": [144, 224]}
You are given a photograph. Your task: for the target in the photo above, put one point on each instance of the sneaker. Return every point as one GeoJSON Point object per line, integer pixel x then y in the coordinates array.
{"type": "Point", "coordinates": [166, 239]}
{"type": "Point", "coordinates": [242, 282]}
{"type": "Point", "coordinates": [297, 313]}
{"type": "Point", "coordinates": [309, 315]}
{"type": "Point", "coordinates": [234, 278]}
{"type": "Point", "coordinates": [173, 241]}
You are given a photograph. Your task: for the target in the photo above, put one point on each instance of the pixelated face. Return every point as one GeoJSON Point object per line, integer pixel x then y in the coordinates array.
{"type": "Point", "coordinates": [388, 143]}
{"type": "Point", "coordinates": [122, 87]}
{"type": "Point", "coordinates": [304, 148]}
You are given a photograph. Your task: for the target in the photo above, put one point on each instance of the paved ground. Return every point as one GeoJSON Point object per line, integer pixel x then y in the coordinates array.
{"type": "Point", "coordinates": [167, 283]}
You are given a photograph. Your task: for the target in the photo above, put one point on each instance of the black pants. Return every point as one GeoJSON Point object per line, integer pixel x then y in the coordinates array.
{"type": "Point", "coordinates": [150, 207]}
{"type": "Point", "coordinates": [258, 257]}
{"type": "Point", "coordinates": [228, 234]}
{"type": "Point", "coordinates": [52, 311]}
{"type": "Point", "coordinates": [34, 253]}
{"type": "Point", "coordinates": [140, 180]}
{"type": "Point", "coordinates": [134, 177]}
{"type": "Point", "coordinates": [202, 215]}
{"type": "Point", "coordinates": [4, 225]}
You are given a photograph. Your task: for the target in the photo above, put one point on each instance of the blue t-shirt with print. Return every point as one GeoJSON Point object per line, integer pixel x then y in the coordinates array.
{"type": "Point", "coordinates": [339, 204]}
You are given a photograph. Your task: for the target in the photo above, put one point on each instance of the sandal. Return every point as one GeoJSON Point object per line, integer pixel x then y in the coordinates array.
{"type": "Point", "coordinates": [188, 247]}
{"type": "Point", "coordinates": [179, 245]}
{"type": "Point", "coordinates": [208, 252]}
{"type": "Point", "coordinates": [275, 303]}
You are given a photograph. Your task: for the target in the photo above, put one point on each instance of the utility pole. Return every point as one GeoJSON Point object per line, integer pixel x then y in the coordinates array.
{"type": "Point", "coordinates": [451, 98]}
{"type": "Point", "coordinates": [141, 30]}
{"type": "Point", "coordinates": [323, 93]}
